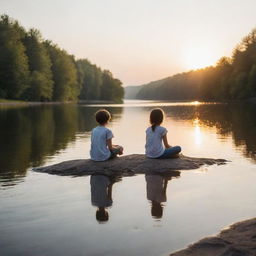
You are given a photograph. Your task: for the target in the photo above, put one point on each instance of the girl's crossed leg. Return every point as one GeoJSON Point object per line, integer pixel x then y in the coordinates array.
{"type": "Point", "coordinates": [170, 152]}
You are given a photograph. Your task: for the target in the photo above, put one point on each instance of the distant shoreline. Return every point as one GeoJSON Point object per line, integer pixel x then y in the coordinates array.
{"type": "Point", "coordinates": [29, 103]}
{"type": "Point", "coordinates": [4, 102]}
{"type": "Point", "coordinates": [36, 103]}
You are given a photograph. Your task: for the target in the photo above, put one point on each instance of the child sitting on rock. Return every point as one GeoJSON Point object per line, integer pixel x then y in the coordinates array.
{"type": "Point", "coordinates": [156, 136]}
{"type": "Point", "coordinates": [101, 139]}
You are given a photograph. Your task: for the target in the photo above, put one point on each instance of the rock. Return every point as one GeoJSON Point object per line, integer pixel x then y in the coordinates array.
{"type": "Point", "coordinates": [128, 165]}
{"type": "Point", "coordinates": [238, 240]}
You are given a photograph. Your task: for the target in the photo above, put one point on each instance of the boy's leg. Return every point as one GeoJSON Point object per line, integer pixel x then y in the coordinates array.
{"type": "Point", "coordinates": [118, 150]}
{"type": "Point", "coordinates": [171, 152]}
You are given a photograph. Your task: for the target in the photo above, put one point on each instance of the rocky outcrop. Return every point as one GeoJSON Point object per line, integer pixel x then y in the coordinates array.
{"type": "Point", "coordinates": [238, 240]}
{"type": "Point", "coordinates": [128, 165]}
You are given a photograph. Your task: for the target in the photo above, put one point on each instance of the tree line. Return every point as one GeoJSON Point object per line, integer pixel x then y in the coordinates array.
{"type": "Point", "coordinates": [231, 78]}
{"type": "Point", "coordinates": [34, 69]}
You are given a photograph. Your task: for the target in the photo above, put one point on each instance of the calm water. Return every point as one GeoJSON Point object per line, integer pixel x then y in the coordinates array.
{"type": "Point", "coordinates": [42, 214]}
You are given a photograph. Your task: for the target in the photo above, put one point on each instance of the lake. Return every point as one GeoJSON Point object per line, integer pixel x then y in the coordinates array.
{"type": "Point", "coordinates": [42, 214]}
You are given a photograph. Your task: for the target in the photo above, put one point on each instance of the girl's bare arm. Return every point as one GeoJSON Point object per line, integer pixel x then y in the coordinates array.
{"type": "Point", "coordinates": [165, 140]}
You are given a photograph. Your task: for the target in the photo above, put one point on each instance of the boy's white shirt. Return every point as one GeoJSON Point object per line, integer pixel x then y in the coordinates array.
{"type": "Point", "coordinates": [99, 150]}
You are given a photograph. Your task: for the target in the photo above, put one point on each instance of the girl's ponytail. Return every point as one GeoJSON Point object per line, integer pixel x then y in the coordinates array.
{"type": "Point", "coordinates": [153, 127]}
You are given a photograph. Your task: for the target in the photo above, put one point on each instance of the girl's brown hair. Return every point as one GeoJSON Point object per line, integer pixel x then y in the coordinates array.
{"type": "Point", "coordinates": [156, 117]}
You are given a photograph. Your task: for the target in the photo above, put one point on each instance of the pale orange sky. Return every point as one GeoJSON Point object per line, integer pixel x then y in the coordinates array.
{"type": "Point", "coordinates": [140, 40]}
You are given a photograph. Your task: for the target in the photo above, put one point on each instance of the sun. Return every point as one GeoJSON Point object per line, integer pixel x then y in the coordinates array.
{"type": "Point", "coordinates": [198, 57]}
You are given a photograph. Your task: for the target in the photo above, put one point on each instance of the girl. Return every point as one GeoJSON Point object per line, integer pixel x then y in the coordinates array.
{"type": "Point", "coordinates": [156, 136]}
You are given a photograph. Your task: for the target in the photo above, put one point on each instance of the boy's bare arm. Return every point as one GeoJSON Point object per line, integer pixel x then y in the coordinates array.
{"type": "Point", "coordinates": [165, 140]}
{"type": "Point", "coordinates": [109, 144]}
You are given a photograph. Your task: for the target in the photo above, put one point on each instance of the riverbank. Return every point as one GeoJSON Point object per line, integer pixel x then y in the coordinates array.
{"type": "Point", "coordinates": [237, 240]}
{"type": "Point", "coordinates": [4, 102]}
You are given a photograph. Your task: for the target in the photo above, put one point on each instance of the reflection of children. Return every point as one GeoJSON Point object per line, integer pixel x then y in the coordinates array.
{"type": "Point", "coordinates": [101, 195]}
{"type": "Point", "coordinates": [101, 139]}
{"type": "Point", "coordinates": [156, 193]}
{"type": "Point", "coordinates": [156, 135]}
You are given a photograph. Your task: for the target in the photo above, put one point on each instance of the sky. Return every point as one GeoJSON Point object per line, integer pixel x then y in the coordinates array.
{"type": "Point", "coordinates": [140, 40]}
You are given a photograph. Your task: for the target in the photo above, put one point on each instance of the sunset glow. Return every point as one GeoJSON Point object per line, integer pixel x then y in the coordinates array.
{"type": "Point", "coordinates": [197, 57]}
{"type": "Point", "coordinates": [156, 39]}
{"type": "Point", "coordinates": [195, 103]}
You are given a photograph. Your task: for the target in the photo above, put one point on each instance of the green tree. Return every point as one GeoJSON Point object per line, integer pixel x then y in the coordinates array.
{"type": "Point", "coordinates": [14, 71]}
{"type": "Point", "coordinates": [97, 84]}
{"type": "Point", "coordinates": [238, 88]}
{"type": "Point", "coordinates": [90, 79]}
{"type": "Point", "coordinates": [41, 84]}
{"type": "Point", "coordinates": [66, 86]}
{"type": "Point", "coordinates": [34, 69]}
{"type": "Point", "coordinates": [111, 88]}
{"type": "Point", "coordinates": [252, 81]}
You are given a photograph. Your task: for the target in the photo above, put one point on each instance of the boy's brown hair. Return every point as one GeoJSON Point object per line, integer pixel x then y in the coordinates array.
{"type": "Point", "coordinates": [102, 116]}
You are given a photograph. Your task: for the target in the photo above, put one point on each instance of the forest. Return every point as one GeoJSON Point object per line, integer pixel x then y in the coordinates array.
{"type": "Point", "coordinates": [231, 78]}
{"type": "Point", "coordinates": [35, 69]}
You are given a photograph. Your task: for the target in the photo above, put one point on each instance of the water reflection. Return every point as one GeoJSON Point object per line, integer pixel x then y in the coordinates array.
{"type": "Point", "coordinates": [197, 132]}
{"type": "Point", "coordinates": [156, 186]}
{"type": "Point", "coordinates": [29, 134]}
{"type": "Point", "coordinates": [101, 195]}
{"type": "Point", "coordinates": [237, 120]}
{"type": "Point", "coordinates": [156, 191]}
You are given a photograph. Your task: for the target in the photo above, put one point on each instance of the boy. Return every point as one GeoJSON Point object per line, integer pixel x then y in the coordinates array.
{"type": "Point", "coordinates": [101, 139]}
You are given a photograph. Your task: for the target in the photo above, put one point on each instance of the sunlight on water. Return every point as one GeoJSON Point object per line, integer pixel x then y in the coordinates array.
{"type": "Point", "coordinates": [150, 103]}
{"type": "Point", "coordinates": [198, 135]}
